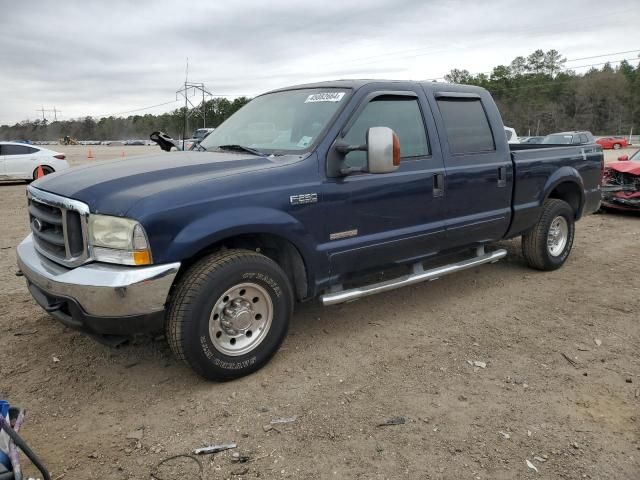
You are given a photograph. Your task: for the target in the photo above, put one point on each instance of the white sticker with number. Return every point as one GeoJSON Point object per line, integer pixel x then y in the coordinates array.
{"type": "Point", "coordinates": [324, 97]}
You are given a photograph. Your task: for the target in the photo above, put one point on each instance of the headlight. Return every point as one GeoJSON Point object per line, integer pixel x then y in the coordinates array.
{"type": "Point", "coordinates": [118, 240]}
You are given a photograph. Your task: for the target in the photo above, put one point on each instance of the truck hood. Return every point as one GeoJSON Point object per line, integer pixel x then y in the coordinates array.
{"type": "Point", "coordinates": [113, 187]}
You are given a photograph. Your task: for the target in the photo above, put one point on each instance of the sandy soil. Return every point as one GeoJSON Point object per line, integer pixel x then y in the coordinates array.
{"type": "Point", "coordinates": [96, 412]}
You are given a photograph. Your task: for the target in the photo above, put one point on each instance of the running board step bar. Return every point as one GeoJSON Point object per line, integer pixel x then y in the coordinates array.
{"type": "Point", "coordinates": [418, 275]}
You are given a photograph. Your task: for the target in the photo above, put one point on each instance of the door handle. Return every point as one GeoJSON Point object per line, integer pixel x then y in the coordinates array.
{"type": "Point", "coordinates": [502, 177]}
{"type": "Point", "coordinates": [438, 184]}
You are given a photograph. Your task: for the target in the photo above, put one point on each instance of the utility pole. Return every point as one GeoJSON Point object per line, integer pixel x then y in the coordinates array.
{"type": "Point", "coordinates": [55, 113]}
{"type": "Point", "coordinates": [194, 88]}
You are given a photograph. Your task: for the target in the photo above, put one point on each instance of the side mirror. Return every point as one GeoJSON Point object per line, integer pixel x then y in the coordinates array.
{"type": "Point", "coordinates": [623, 158]}
{"type": "Point", "coordinates": [383, 153]}
{"type": "Point", "coordinates": [383, 150]}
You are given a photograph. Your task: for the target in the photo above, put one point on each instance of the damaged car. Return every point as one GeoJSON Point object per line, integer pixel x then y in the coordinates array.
{"type": "Point", "coordinates": [621, 184]}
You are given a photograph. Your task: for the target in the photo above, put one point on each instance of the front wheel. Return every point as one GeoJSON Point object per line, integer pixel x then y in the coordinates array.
{"type": "Point", "coordinates": [229, 314]}
{"type": "Point", "coordinates": [617, 146]}
{"type": "Point", "coordinates": [548, 244]}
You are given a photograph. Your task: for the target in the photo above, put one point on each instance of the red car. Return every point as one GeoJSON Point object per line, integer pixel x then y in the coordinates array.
{"type": "Point", "coordinates": [612, 142]}
{"type": "Point", "coordinates": [621, 184]}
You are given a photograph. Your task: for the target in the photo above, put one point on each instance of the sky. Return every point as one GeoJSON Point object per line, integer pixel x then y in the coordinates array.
{"type": "Point", "coordinates": [122, 57]}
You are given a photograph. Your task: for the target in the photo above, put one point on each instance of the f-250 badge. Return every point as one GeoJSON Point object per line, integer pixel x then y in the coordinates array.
{"type": "Point", "coordinates": [303, 198]}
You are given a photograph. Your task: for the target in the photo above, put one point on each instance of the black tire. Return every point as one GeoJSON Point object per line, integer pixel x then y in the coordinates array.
{"type": "Point", "coordinates": [201, 289]}
{"type": "Point", "coordinates": [617, 146]}
{"type": "Point", "coordinates": [534, 243]}
{"type": "Point", "coordinates": [46, 169]}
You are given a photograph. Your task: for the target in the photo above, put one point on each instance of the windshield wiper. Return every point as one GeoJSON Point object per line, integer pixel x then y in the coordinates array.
{"type": "Point", "coordinates": [240, 148]}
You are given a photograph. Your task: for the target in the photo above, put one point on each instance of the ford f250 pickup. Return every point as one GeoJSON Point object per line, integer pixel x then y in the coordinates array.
{"type": "Point", "coordinates": [305, 192]}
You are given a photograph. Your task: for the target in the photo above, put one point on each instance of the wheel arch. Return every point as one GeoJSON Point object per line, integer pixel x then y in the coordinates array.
{"type": "Point", "coordinates": [566, 184]}
{"type": "Point", "coordinates": [274, 246]}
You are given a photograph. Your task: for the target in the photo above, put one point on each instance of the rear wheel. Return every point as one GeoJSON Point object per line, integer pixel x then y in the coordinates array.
{"type": "Point", "coordinates": [548, 244]}
{"type": "Point", "coordinates": [46, 170]}
{"type": "Point", "coordinates": [230, 313]}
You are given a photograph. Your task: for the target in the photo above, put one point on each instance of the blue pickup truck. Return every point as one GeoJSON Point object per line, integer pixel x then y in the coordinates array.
{"type": "Point", "coordinates": [303, 193]}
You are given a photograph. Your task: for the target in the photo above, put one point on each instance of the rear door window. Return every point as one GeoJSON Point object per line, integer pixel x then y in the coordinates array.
{"type": "Point", "coordinates": [467, 125]}
{"type": "Point", "coordinates": [583, 138]}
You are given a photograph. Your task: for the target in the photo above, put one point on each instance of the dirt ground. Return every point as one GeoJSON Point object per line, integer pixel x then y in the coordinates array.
{"type": "Point", "coordinates": [561, 386]}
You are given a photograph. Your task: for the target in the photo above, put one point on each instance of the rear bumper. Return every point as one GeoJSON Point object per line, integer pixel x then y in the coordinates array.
{"type": "Point", "coordinates": [98, 298]}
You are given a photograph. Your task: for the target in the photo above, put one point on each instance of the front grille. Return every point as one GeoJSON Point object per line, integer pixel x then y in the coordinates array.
{"type": "Point", "coordinates": [59, 227]}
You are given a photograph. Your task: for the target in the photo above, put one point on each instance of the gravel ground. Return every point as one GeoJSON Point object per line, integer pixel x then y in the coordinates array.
{"type": "Point", "coordinates": [96, 412]}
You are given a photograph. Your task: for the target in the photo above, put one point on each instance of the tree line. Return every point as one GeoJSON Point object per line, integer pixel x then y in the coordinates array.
{"type": "Point", "coordinates": [125, 128]}
{"type": "Point", "coordinates": [536, 95]}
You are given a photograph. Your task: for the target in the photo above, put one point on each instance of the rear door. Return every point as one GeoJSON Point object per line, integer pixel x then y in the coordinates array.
{"type": "Point", "coordinates": [394, 217]}
{"type": "Point", "coordinates": [479, 170]}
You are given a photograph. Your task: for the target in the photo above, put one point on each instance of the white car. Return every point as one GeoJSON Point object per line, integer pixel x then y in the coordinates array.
{"type": "Point", "coordinates": [512, 136]}
{"type": "Point", "coordinates": [19, 161]}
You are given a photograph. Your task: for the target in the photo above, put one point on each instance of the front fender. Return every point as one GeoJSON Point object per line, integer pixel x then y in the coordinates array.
{"type": "Point", "coordinates": [206, 230]}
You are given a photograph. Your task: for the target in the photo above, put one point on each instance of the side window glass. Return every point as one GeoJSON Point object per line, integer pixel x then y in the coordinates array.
{"type": "Point", "coordinates": [398, 113]}
{"type": "Point", "coordinates": [14, 150]}
{"type": "Point", "coordinates": [467, 125]}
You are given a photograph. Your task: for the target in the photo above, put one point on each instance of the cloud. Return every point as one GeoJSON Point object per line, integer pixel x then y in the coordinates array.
{"type": "Point", "coordinates": [90, 58]}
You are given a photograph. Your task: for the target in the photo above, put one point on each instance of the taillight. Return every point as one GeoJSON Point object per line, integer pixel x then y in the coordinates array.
{"type": "Point", "coordinates": [59, 156]}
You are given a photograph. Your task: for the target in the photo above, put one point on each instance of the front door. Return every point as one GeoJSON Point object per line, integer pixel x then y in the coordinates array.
{"type": "Point", "coordinates": [20, 160]}
{"type": "Point", "coordinates": [393, 217]}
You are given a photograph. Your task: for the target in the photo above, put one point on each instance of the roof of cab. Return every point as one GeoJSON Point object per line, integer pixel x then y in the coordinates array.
{"type": "Point", "coordinates": [357, 83]}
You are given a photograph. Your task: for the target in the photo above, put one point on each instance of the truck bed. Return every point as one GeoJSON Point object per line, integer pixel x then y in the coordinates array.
{"type": "Point", "coordinates": [536, 168]}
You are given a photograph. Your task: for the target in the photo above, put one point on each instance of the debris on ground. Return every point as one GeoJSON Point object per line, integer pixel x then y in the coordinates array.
{"type": "Point", "coordinates": [156, 476]}
{"type": "Point", "coordinates": [531, 466]}
{"type": "Point", "coordinates": [597, 341]}
{"type": "Point", "coordinates": [570, 360]}
{"type": "Point", "coordinates": [393, 421]}
{"type": "Point", "coordinates": [477, 363]}
{"type": "Point", "coordinates": [238, 458]}
{"type": "Point", "coordinates": [214, 448]}
{"type": "Point", "coordinates": [277, 421]}
{"type": "Point", "coordinates": [505, 435]}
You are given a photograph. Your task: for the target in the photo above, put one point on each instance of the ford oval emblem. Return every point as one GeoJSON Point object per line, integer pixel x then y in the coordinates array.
{"type": "Point", "coordinates": [37, 224]}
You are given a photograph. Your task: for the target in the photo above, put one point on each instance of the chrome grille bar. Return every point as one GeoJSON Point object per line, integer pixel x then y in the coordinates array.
{"type": "Point", "coordinates": [54, 221]}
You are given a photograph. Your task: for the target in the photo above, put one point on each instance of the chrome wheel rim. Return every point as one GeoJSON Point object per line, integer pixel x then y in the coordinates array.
{"type": "Point", "coordinates": [558, 236]}
{"type": "Point", "coordinates": [240, 319]}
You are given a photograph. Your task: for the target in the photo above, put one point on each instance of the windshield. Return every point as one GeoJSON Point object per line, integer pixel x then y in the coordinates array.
{"type": "Point", "coordinates": [558, 139]}
{"type": "Point", "coordinates": [201, 133]}
{"type": "Point", "coordinates": [282, 122]}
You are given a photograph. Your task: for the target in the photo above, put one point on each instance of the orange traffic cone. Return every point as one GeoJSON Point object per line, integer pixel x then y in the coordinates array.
{"type": "Point", "coordinates": [90, 154]}
{"type": "Point", "coordinates": [39, 172]}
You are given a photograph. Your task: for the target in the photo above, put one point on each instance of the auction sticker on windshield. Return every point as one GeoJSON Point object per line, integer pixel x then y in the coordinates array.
{"type": "Point", "coordinates": [325, 97]}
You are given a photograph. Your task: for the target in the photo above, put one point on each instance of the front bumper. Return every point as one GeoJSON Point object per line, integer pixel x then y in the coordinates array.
{"type": "Point", "coordinates": [97, 297]}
